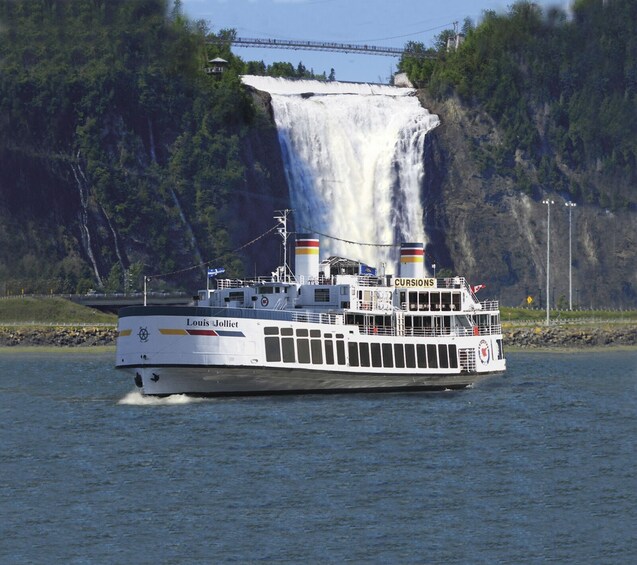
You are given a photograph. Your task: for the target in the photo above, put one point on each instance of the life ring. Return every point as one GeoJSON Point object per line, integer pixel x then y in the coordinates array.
{"type": "Point", "coordinates": [264, 301]}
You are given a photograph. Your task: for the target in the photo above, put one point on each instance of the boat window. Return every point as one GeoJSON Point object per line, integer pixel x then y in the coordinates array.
{"type": "Point", "coordinates": [410, 356]}
{"type": "Point", "coordinates": [317, 351]}
{"type": "Point", "coordinates": [287, 331]}
{"type": "Point", "coordinates": [435, 300]}
{"type": "Point", "coordinates": [388, 357]}
{"type": "Point", "coordinates": [453, 356]}
{"type": "Point", "coordinates": [271, 331]}
{"type": "Point", "coordinates": [303, 350]}
{"type": "Point", "coordinates": [329, 352]}
{"type": "Point", "coordinates": [432, 356]}
{"type": "Point", "coordinates": [353, 354]}
{"type": "Point", "coordinates": [265, 290]}
{"type": "Point", "coordinates": [302, 333]}
{"type": "Point", "coordinates": [399, 355]}
{"type": "Point", "coordinates": [422, 355]}
{"type": "Point", "coordinates": [364, 354]}
{"type": "Point", "coordinates": [340, 350]}
{"type": "Point", "coordinates": [287, 348]}
{"type": "Point", "coordinates": [236, 295]}
{"type": "Point", "coordinates": [376, 359]}
{"type": "Point", "coordinates": [443, 355]}
{"type": "Point", "coordinates": [321, 295]}
{"type": "Point", "coordinates": [272, 349]}
{"type": "Point", "coordinates": [455, 304]}
{"type": "Point", "coordinates": [315, 333]}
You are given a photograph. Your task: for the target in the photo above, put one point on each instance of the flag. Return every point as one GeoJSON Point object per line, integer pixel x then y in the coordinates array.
{"type": "Point", "coordinates": [366, 270]}
{"type": "Point", "coordinates": [477, 287]}
{"type": "Point", "coordinates": [214, 272]}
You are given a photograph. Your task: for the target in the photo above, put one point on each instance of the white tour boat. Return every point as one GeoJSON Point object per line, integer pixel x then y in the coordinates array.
{"type": "Point", "coordinates": [329, 327]}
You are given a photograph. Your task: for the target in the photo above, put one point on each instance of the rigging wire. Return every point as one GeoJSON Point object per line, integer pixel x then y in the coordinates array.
{"type": "Point", "coordinates": [351, 242]}
{"type": "Point", "coordinates": [206, 263]}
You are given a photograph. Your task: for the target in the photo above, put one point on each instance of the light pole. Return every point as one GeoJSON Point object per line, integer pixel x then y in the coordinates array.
{"type": "Point", "coordinates": [433, 265]}
{"type": "Point", "coordinates": [548, 256]}
{"type": "Point", "coordinates": [570, 206]}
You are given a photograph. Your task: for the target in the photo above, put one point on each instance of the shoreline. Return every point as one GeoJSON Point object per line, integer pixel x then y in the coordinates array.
{"type": "Point", "coordinates": [531, 338]}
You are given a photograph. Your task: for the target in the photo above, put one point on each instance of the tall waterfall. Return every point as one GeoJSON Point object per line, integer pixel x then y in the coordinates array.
{"type": "Point", "coordinates": [354, 160]}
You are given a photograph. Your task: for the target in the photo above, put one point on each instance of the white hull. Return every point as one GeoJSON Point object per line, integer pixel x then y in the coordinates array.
{"type": "Point", "coordinates": [201, 351]}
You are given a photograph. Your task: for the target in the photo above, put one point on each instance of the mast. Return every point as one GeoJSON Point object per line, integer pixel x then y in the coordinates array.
{"type": "Point", "coordinates": [282, 218]}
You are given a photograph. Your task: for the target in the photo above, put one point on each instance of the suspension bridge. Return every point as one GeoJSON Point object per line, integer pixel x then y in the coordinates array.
{"type": "Point", "coordinates": [321, 46]}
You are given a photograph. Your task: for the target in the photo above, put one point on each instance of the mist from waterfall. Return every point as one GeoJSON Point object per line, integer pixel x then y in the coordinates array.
{"type": "Point", "coordinates": [354, 161]}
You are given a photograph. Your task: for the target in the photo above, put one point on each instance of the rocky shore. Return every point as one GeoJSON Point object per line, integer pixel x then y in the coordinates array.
{"type": "Point", "coordinates": [527, 338]}
{"type": "Point", "coordinates": [57, 336]}
{"type": "Point", "coordinates": [570, 336]}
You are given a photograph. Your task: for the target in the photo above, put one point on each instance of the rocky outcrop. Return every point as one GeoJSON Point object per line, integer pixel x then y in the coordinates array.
{"type": "Point", "coordinates": [60, 336]}
{"type": "Point", "coordinates": [570, 336]}
{"type": "Point", "coordinates": [483, 225]}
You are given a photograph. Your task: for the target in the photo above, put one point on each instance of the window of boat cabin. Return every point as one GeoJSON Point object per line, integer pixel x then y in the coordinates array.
{"type": "Point", "coordinates": [321, 295]}
{"type": "Point", "coordinates": [434, 301]}
{"type": "Point", "coordinates": [236, 295]}
{"type": "Point", "coordinates": [453, 356]}
{"type": "Point", "coordinates": [364, 354]}
{"type": "Point", "coordinates": [353, 354]}
{"type": "Point", "coordinates": [376, 358]}
{"type": "Point", "coordinates": [272, 346]}
{"type": "Point", "coordinates": [399, 356]}
{"type": "Point", "coordinates": [302, 346]}
{"type": "Point", "coordinates": [421, 352]}
{"type": "Point", "coordinates": [432, 356]}
{"type": "Point", "coordinates": [340, 349]}
{"type": "Point", "coordinates": [315, 347]}
{"type": "Point", "coordinates": [388, 356]}
{"type": "Point", "coordinates": [410, 356]}
{"type": "Point", "coordinates": [265, 290]}
{"type": "Point", "coordinates": [443, 356]}
{"type": "Point", "coordinates": [329, 349]}
{"type": "Point", "coordinates": [287, 345]}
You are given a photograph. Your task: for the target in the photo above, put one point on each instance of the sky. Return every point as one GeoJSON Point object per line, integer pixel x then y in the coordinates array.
{"type": "Point", "coordinates": [387, 23]}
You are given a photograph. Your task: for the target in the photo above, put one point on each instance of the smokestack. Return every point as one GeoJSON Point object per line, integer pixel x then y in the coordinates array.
{"type": "Point", "coordinates": [412, 260]}
{"type": "Point", "coordinates": [306, 264]}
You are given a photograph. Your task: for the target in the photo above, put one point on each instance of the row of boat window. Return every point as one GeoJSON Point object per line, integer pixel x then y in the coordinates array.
{"type": "Point", "coordinates": [308, 347]}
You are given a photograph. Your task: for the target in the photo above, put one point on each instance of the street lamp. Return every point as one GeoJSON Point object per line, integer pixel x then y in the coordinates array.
{"type": "Point", "coordinates": [433, 266]}
{"type": "Point", "coordinates": [570, 206]}
{"type": "Point", "coordinates": [548, 255]}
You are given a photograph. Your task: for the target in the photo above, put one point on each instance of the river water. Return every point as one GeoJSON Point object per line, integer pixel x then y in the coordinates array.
{"type": "Point", "coordinates": [535, 466]}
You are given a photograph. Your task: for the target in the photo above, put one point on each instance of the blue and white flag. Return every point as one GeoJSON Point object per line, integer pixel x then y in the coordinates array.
{"type": "Point", "coordinates": [214, 272]}
{"type": "Point", "coordinates": [366, 270]}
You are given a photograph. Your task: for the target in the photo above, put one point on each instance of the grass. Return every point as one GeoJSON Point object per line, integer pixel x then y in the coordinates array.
{"type": "Point", "coordinates": [50, 310]}
{"type": "Point", "coordinates": [56, 310]}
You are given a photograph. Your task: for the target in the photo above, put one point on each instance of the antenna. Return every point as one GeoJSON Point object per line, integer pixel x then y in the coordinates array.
{"type": "Point", "coordinates": [282, 218]}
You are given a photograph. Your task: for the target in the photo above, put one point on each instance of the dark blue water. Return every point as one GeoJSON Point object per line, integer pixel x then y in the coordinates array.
{"type": "Point", "coordinates": [532, 467]}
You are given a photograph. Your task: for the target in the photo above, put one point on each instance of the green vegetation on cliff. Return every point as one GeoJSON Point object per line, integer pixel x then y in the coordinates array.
{"type": "Point", "coordinates": [562, 90]}
{"type": "Point", "coordinates": [119, 153]}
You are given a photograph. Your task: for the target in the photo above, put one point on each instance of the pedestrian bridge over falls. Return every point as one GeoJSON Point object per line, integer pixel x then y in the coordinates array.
{"type": "Point", "coordinates": [321, 46]}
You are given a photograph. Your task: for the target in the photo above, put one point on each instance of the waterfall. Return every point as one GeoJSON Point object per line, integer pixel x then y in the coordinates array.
{"type": "Point", "coordinates": [354, 161]}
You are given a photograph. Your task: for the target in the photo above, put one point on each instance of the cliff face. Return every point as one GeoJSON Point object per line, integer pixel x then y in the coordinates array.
{"type": "Point", "coordinates": [483, 227]}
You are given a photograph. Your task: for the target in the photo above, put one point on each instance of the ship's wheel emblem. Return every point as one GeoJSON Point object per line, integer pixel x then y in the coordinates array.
{"type": "Point", "coordinates": [143, 334]}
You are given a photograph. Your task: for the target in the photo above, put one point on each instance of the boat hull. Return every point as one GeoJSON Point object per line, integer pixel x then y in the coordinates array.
{"type": "Point", "coordinates": [224, 381]}
{"type": "Point", "coordinates": [200, 352]}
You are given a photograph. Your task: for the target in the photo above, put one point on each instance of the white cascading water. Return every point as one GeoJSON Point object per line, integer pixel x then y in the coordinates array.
{"type": "Point", "coordinates": [354, 159]}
